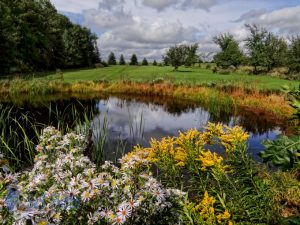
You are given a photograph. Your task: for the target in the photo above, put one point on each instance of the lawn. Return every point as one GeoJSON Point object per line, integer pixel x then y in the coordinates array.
{"type": "Point", "coordinates": [195, 75]}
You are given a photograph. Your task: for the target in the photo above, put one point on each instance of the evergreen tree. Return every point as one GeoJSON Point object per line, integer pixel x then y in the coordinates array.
{"type": "Point", "coordinates": [112, 59]}
{"type": "Point", "coordinates": [145, 62]}
{"type": "Point", "coordinates": [154, 63]}
{"type": "Point", "coordinates": [122, 60]}
{"type": "Point", "coordinates": [134, 60]}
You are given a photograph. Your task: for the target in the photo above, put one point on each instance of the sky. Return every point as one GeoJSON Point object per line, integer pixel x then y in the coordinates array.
{"type": "Point", "coordinates": [149, 27]}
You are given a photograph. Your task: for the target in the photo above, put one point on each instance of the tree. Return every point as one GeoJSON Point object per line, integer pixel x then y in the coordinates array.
{"type": "Point", "coordinates": [276, 51]}
{"type": "Point", "coordinates": [154, 63]}
{"type": "Point", "coordinates": [134, 60]}
{"type": "Point", "coordinates": [34, 36]}
{"type": "Point", "coordinates": [8, 37]}
{"type": "Point", "coordinates": [230, 52]}
{"type": "Point", "coordinates": [80, 47]}
{"type": "Point", "coordinates": [192, 57]}
{"type": "Point", "coordinates": [122, 60]}
{"type": "Point", "coordinates": [294, 55]}
{"type": "Point", "coordinates": [177, 56]}
{"type": "Point", "coordinates": [256, 47]}
{"type": "Point", "coordinates": [112, 59]}
{"type": "Point", "coordinates": [145, 62]}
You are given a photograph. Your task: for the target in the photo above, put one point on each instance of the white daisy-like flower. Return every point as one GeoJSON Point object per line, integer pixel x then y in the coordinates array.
{"type": "Point", "coordinates": [105, 213]}
{"type": "Point", "coordinates": [118, 220]}
{"type": "Point", "coordinates": [72, 192]}
{"type": "Point", "coordinates": [125, 211]}
{"type": "Point", "coordinates": [85, 196]}
{"type": "Point", "coordinates": [159, 194]}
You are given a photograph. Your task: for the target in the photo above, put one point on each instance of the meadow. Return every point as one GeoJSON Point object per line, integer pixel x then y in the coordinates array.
{"type": "Point", "coordinates": [188, 76]}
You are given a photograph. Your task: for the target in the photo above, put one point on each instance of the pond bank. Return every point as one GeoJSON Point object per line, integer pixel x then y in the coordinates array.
{"type": "Point", "coordinates": [227, 97]}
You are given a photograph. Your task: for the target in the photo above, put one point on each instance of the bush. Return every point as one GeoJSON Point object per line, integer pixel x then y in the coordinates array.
{"type": "Point", "coordinates": [246, 69]}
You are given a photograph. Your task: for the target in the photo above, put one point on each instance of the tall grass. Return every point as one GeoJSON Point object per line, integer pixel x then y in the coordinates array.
{"type": "Point", "coordinates": [19, 133]}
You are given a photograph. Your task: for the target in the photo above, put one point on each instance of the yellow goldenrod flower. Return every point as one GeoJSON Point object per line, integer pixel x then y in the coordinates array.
{"type": "Point", "coordinates": [223, 217]}
{"type": "Point", "coordinates": [209, 159]}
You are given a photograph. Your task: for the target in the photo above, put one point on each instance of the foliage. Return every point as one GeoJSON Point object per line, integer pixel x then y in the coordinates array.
{"type": "Point", "coordinates": [283, 152]}
{"type": "Point", "coordinates": [111, 59]}
{"type": "Point", "coordinates": [145, 62]}
{"type": "Point", "coordinates": [222, 190]}
{"type": "Point", "coordinates": [181, 55]}
{"type": "Point", "coordinates": [122, 60]}
{"type": "Point", "coordinates": [276, 52]}
{"type": "Point", "coordinates": [265, 49]}
{"type": "Point", "coordinates": [192, 57]}
{"type": "Point", "coordinates": [80, 47]}
{"type": "Point", "coordinates": [230, 54]}
{"type": "Point", "coordinates": [134, 60]}
{"type": "Point", "coordinates": [64, 187]}
{"type": "Point", "coordinates": [154, 63]}
{"type": "Point", "coordinates": [35, 37]}
{"type": "Point", "coordinates": [294, 55]}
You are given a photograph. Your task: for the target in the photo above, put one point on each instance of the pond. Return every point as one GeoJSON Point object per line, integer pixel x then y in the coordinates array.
{"type": "Point", "coordinates": [121, 122]}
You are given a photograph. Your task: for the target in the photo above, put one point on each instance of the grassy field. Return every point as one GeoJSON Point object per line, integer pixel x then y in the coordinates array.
{"type": "Point", "coordinates": [194, 75]}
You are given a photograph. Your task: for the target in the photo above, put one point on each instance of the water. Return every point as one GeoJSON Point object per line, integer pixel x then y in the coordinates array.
{"type": "Point", "coordinates": [136, 121]}
{"type": "Point", "coordinates": [125, 121]}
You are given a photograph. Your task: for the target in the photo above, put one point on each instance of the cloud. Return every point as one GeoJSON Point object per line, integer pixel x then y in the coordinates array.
{"type": "Point", "coordinates": [145, 38]}
{"type": "Point", "coordinates": [285, 20]}
{"type": "Point", "coordinates": [103, 20]}
{"type": "Point", "coordinates": [111, 4]}
{"type": "Point", "coordinates": [198, 4]}
{"type": "Point", "coordinates": [250, 15]}
{"type": "Point", "coordinates": [161, 5]}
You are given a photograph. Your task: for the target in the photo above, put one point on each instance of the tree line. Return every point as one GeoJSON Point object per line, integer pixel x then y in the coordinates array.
{"type": "Point", "coordinates": [133, 60]}
{"type": "Point", "coordinates": [263, 51]}
{"type": "Point", "coordinates": [35, 37]}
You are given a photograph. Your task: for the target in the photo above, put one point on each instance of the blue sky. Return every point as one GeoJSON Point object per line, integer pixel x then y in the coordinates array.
{"type": "Point", "coordinates": [149, 27]}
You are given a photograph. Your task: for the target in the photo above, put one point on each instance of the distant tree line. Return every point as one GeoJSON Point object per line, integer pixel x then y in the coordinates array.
{"type": "Point", "coordinates": [264, 51]}
{"type": "Point", "coordinates": [133, 60]}
{"type": "Point", "coordinates": [34, 36]}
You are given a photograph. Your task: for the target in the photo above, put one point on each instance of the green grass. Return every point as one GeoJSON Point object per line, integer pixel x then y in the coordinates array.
{"type": "Point", "coordinates": [193, 75]}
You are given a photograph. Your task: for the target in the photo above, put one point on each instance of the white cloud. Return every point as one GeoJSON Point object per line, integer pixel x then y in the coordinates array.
{"type": "Point", "coordinates": [285, 20]}
{"type": "Point", "coordinates": [160, 4]}
{"type": "Point", "coordinates": [198, 4]}
{"type": "Point", "coordinates": [148, 39]}
{"type": "Point", "coordinates": [179, 4]}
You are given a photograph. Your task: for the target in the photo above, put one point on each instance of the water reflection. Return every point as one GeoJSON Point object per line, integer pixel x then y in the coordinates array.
{"type": "Point", "coordinates": [137, 119]}
{"type": "Point", "coordinates": [137, 122]}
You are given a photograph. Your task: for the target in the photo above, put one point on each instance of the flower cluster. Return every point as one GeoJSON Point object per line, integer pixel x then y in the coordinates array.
{"type": "Point", "coordinates": [65, 187]}
{"type": "Point", "coordinates": [205, 212]}
{"type": "Point", "coordinates": [189, 149]}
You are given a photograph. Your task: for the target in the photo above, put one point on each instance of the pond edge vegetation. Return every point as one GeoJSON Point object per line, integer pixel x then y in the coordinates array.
{"type": "Point", "coordinates": [234, 98]}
